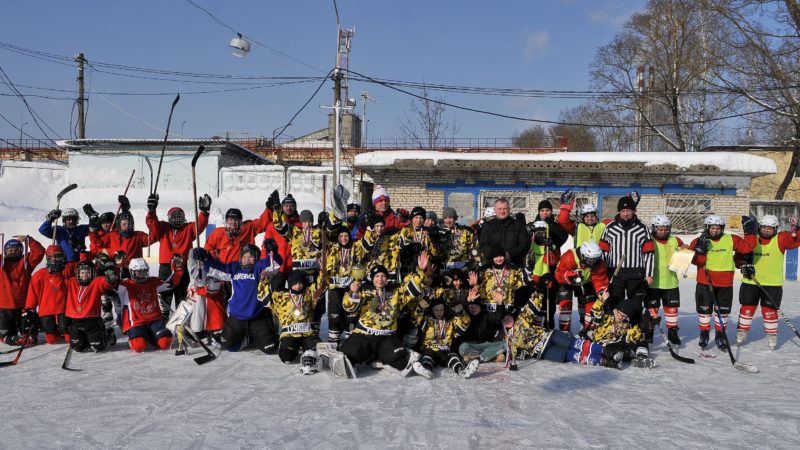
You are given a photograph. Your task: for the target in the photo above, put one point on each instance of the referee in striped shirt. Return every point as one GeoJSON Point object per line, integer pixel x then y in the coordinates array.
{"type": "Point", "coordinates": [623, 241]}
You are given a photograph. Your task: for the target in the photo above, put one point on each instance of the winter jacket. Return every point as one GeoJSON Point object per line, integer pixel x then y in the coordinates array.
{"type": "Point", "coordinates": [173, 241]}
{"type": "Point", "coordinates": [15, 276]}
{"type": "Point", "coordinates": [73, 242]}
{"type": "Point", "coordinates": [509, 233]}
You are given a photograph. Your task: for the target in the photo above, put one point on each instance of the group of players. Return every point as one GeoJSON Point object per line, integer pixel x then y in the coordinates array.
{"type": "Point", "coordinates": [401, 289]}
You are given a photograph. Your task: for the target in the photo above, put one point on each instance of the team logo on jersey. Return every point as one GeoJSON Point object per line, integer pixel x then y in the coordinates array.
{"type": "Point", "coordinates": [244, 276]}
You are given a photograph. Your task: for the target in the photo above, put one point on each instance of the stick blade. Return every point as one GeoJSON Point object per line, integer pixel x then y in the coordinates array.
{"type": "Point", "coordinates": [205, 359]}
{"type": "Point", "coordinates": [197, 154]}
{"type": "Point", "coordinates": [748, 368]}
{"type": "Point", "coordinates": [64, 191]}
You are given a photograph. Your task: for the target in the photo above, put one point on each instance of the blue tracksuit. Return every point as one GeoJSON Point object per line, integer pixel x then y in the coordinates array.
{"type": "Point", "coordinates": [71, 241]}
{"type": "Point", "coordinates": [244, 303]}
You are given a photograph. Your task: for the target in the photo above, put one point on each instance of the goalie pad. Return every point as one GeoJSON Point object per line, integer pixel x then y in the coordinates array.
{"type": "Point", "coordinates": [335, 360]}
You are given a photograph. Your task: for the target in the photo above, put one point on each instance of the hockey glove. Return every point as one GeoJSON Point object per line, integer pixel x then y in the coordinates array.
{"type": "Point", "coordinates": [404, 215]}
{"type": "Point", "coordinates": [634, 195]}
{"type": "Point", "coordinates": [124, 203]}
{"type": "Point", "coordinates": [107, 314]}
{"type": "Point", "coordinates": [200, 254]}
{"type": "Point", "coordinates": [53, 215]}
{"type": "Point", "coordinates": [748, 271]}
{"type": "Point", "coordinates": [111, 276]}
{"type": "Point", "coordinates": [119, 256]}
{"type": "Point", "coordinates": [87, 208]}
{"type": "Point", "coordinates": [701, 246]}
{"type": "Point", "coordinates": [274, 201]}
{"type": "Point", "coordinates": [597, 311]}
{"type": "Point", "coordinates": [204, 203]}
{"type": "Point", "coordinates": [29, 319]}
{"type": "Point", "coordinates": [545, 281]}
{"type": "Point", "coordinates": [567, 197]}
{"type": "Point", "coordinates": [323, 220]}
{"type": "Point", "coordinates": [270, 245]}
{"type": "Point", "coordinates": [152, 202]}
{"type": "Point", "coordinates": [749, 225]}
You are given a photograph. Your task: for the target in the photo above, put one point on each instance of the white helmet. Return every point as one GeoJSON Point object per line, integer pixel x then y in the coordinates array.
{"type": "Point", "coordinates": [660, 220]}
{"type": "Point", "coordinates": [714, 220]}
{"type": "Point", "coordinates": [539, 225]}
{"type": "Point", "coordinates": [770, 221]}
{"type": "Point", "coordinates": [588, 208]}
{"type": "Point", "coordinates": [140, 270]}
{"type": "Point", "coordinates": [70, 212]}
{"type": "Point", "coordinates": [590, 253]}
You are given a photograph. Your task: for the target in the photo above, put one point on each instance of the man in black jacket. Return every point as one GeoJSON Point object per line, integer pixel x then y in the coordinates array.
{"type": "Point", "coordinates": [507, 232]}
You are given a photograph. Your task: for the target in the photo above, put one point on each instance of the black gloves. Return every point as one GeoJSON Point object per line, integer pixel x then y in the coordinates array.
{"type": "Point", "coordinates": [634, 195]}
{"type": "Point", "coordinates": [404, 215]}
{"type": "Point", "coordinates": [369, 218]}
{"type": "Point", "coordinates": [119, 256]}
{"type": "Point", "coordinates": [124, 203]}
{"type": "Point", "coordinates": [749, 225]}
{"type": "Point", "coordinates": [204, 203]}
{"type": "Point", "coordinates": [152, 202]}
{"type": "Point", "coordinates": [274, 201]}
{"type": "Point", "coordinates": [53, 215]}
{"type": "Point", "coordinates": [748, 270]}
{"type": "Point", "coordinates": [29, 319]}
{"type": "Point", "coordinates": [323, 220]}
{"type": "Point", "coordinates": [200, 254]}
{"type": "Point", "coordinates": [701, 246]}
{"type": "Point", "coordinates": [545, 280]}
{"type": "Point", "coordinates": [567, 197]}
{"type": "Point", "coordinates": [111, 276]}
{"type": "Point", "coordinates": [87, 208]}
{"type": "Point", "coordinates": [270, 245]}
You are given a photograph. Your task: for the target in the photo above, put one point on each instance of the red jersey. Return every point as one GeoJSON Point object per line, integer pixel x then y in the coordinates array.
{"type": "Point", "coordinates": [114, 242]}
{"type": "Point", "coordinates": [48, 291]}
{"type": "Point", "coordinates": [284, 248]}
{"type": "Point", "coordinates": [85, 302]}
{"type": "Point", "coordinates": [227, 250]}
{"type": "Point", "coordinates": [140, 304]}
{"type": "Point", "coordinates": [16, 275]}
{"type": "Point", "coordinates": [567, 268]}
{"type": "Point", "coordinates": [173, 241]}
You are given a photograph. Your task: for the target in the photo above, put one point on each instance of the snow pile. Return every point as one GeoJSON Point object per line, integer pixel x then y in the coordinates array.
{"type": "Point", "coordinates": [727, 162]}
{"type": "Point", "coordinates": [246, 400]}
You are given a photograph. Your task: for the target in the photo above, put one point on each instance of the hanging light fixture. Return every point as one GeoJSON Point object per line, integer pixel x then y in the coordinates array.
{"type": "Point", "coordinates": [240, 46]}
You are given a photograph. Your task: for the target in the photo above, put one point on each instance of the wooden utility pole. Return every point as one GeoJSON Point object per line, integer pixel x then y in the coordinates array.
{"type": "Point", "coordinates": [81, 115]}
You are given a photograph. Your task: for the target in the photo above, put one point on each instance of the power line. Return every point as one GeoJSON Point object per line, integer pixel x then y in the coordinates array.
{"type": "Point", "coordinates": [36, 118]}
{"type": "Point", "coordinates": [304, 105]}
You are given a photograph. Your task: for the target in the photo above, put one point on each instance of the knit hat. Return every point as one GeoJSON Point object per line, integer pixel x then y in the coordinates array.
{"type": "Point", "coordinates": [496, 250]}
{"type": "Point", "coordinates": [306, 216]}
{"type": "Point", "coordinates": [289, 200]}
{"type": "Point", "coordinates": [449, 212]}
{"type": "Point", "coordinates": [297, 276]}
{"type": "Point", "coordinates": [379, 193]}
{"type": "Point", "coordinates": [378, 269]}
{"type": "Point", "coordinates": [431, 215]}
{"type": "Point", "coordinates": [626, 203]}
{"type": "Point", "coordinates": [627, 307]}
{"type": "Point", "coordinates": [418, 211]}
{"type": "Point", "coordinates": [437, 301]}
{"type": "Point", "coordinates": [545, 204]}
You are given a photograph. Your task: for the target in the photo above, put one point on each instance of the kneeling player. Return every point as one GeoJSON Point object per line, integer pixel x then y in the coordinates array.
{"type": "Point", "coordinates": [438, 330]}
{"type": "Point", "coordinates": [47, 295]}
{"type": "Point", "coordinates": [141, 311]}
{"type": "Point", "coordinates": [87, 333]}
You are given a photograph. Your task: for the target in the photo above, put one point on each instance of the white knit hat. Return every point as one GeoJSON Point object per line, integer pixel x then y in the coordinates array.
{"type": "Point", "coordinates": [379, 193]}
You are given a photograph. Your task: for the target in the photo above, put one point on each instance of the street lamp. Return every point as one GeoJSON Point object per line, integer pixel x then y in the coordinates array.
{"type": "Point", "coordinates": [182, 124]}
{"type": "Point", "coordinates": [20, 132]}
{"type": "Point", "coordinates": [240, 46]}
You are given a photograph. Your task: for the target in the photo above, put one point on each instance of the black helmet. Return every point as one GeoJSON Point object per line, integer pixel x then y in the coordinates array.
{"type": "Point", "coordinates": [87, 266]}
{"type": "Point", "coordinates": [233, 213]}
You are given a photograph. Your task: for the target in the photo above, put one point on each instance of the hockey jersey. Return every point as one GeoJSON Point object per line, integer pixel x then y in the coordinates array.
{"type": "Point", "coordinates": [173, 241]}
{"type": "Point", "coordinates": [47, 292]}
{"type": "Point", "coordinates": [140, 301]}
{"type": "Point", "coordinates": [378, 309]}
{"type": "Point", "coordinates": [84, 302]}
{"type": "Point", "coordinates": [16, 275]}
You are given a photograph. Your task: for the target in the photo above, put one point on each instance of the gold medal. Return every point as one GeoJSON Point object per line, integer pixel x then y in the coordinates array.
{"type": "Point", "coordinates": [79, 308]}
{"type": "Point", "coordinates": [297, 313]}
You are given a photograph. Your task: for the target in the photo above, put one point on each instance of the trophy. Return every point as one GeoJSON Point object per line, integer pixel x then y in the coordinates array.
{"type": "Point", "coordinates": [358, 272]}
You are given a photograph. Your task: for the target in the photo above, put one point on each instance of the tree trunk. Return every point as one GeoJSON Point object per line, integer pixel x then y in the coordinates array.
{"type": "Point", "coordinates": [792, 169]}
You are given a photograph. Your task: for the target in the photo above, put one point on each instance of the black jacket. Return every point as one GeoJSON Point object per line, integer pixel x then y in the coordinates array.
{"type": "Point", "coordinates": [510, 233]}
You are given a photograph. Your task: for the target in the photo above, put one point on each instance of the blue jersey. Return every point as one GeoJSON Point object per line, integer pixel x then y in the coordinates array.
{"type": "Point", "coordinates": [73, 242]}
{"type": "Point", "coordinates": [244, 303]}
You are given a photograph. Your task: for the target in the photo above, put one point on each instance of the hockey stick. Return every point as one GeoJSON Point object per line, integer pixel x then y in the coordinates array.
{"type": "Point", "coordinates": [19, 353]}
{"type": "Point", "coordinates": [200, 360]}
{"type": "Point", "coordinates": [672, 352]}
{"type": "Point", "coordinates": [164, 146]}
{"type": "Point", "coordinates": [114, 225]}
{"type": "Point", "coordinates": [68, 358]}
{"type": "Point", "coordinates": [196, 156]}
{"type": "Point", "coordinates": [63, 192]}
{"type": "Point", "coordinates": [6, 352]}
{"type": "Point", "coordinates": [783, 316]}
{"type": "Point", "coordinates": [749, 368]}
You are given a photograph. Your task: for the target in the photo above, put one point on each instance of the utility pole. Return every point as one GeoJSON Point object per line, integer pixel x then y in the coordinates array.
{"type": "Point", "coordinates": [364, 98]}
{"type": "Point", "coordinates": [343, 36]}
{"type": "Point", "coordinates": [79, 58]}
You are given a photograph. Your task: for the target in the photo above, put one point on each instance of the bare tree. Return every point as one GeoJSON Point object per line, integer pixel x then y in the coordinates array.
{"type": "Point", "coordinates": [535, 136]}
{"type": "Point", "coordinates": [764, 67]}
{"type": "Point", "coordinates": [426, 126]}
{"type": "Point", "coordinates": [655, 72]}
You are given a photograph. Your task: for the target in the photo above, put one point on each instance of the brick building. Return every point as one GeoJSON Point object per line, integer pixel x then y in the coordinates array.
{"type": "Point", "coordinates": [685, 186]}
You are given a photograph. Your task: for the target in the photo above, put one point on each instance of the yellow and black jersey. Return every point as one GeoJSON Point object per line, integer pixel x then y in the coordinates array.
{"type": "Point", "coordinates": [339, 262]}
{"type": "Point", "coordinates": [438, 334]}
{"type": "Point", "coordinates": [457, 243]}
{"type": "Point", "coordinates": [294, 311]}
{"type": "Point", "coordinates": [608, 331]}
{"type": "Point", "coordinates": [497, 286]}
{"type": "Point", "coordinates": [527, 337]}
{"type": "Point", "coordinates": [453, 296]}
{"type": "Point", "coordinates": [409, 236]}
{"type": "Point", "coordinates": [378, 310]}
{"type": "Point", "coordinates": [381, 250]}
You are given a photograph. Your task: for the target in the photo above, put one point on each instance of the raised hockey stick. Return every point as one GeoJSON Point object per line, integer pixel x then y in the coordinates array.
{"type": "Point", "coordinates": [749, 368]}
{"type": "Point", "coordinates": [196, 156]}
{"type": "Point", "coordinates": [127, 186]}
{"type": "Point", "coordinates": [19, 353]}
{"type": "Point", "coordinates": [63, 192]}
{"type": "Point", "coordinates": [209, 356]}
{"type": "Point", "coordinates": [164, 146]}
{"type": "Point", "coordinates": [783, 316]}
{"type": "Point", "coordinates": [672, 352]}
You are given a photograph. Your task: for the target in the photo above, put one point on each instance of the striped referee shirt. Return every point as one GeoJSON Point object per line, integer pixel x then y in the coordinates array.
{"type": "Point", "coordinates": [618, 240]}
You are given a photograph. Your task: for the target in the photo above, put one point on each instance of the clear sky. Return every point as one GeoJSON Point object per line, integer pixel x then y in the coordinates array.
{"type": "Point", "coordinates": [542, 44]}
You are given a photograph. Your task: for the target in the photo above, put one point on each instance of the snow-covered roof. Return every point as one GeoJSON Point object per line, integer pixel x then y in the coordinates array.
{"type": "Point", "coordinates": [690, 163]}
{"type": "Point", "coordinates": [155, 145]}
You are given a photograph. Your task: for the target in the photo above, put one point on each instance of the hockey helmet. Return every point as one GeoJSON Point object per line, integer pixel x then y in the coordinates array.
{"type": "Point", "coordinates": [140, 270]}
{"type": "Point", "coordinates": [12, 250]}
{"type": "Point", "coordinates": [660, 220]}
{"type": "Point", "coordinates": [70, 217]}
{"type": "Point", "coordinates": [176, 217]}
{"type": "Point", "coordinates": [590, 253]}
{"type": "Point", "coordinates": [56, 260]}
{"type": "Point", "coordinates": [769, 221]}
{"type": "Point", "coordinates": [588, 208]}
{"type": "Point", "coordinates": [84, 273]}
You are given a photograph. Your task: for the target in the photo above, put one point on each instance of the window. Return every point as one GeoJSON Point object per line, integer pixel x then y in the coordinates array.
{"type": "Point", "coordinates": [518, 200]}
{"type": "Point", "coordinates": [609, 206]}
{"type": "Point", "coordinates": [464, 204]}
{"type": "Point", "coordinates": [687, 211]}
